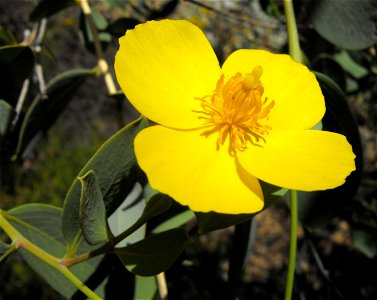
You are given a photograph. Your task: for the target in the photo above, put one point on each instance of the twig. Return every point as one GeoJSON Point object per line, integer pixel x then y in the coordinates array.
{"type": "Point", "coordinates": [38, 67]}
{"type": "Point", "coordinates": [162, 286]}
{"type": "Point", "coordinates": [102, 64]}
{"type": "Point", "coordinates": [20, 101]}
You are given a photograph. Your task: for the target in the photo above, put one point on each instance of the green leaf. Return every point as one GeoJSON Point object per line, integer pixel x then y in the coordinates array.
{"type": "Point", "coordinates": [175, 221]}
{"type": "Point", "coordinates": [42, 113]}
{"type": "Point", "coordinates": [214, 221]}
{"type": "Point", "coordinates": [16, 65]}
{"type": "Point", "coordinates": [86, 31]}
{"type": "Point", "coordinates": [5, 251]}
{"type": "Point", "coordinates": [6, 116]}
{"type": "Point", "coordinates": [127, 214]}
{"type": "Point", "coordinates": [354, 69]}
{"type": "Point", "coordinates": [40, 223]}
{"type": "Point", "coordinates": [365, 242]}
{"type": "Point", "coordinates": [156, 205]}
{"type": "Point", "coordinates": [329, 66]}
{"type": "Point", "coordinates": [145, 287]}
{"type": "Point", "coordinates": [154, 254]}
{"type": "Point", "coordinates": [92, 210]}
{"type": "Point", "coordinates": [315, 209]}
{"type": "Point", "coordinates": [242, 242]}
{"type": "Point", "coordinates": [46, 8]}
{"type": "Point", "coordinates": [118, 27]}
{"type": "Point", "coordinates": [115, 166]}
{"type": "Point", "coordinates": [348, 24]}
{"type": "Point", "coordinates": [6, 36]}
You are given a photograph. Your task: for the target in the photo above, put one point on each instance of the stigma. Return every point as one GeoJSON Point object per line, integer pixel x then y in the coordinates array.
{"type": "Point", "coordinates": [237, 111]}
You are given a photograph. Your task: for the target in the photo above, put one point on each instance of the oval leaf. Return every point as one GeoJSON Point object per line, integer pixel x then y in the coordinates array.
{"type": "Point", "coordinates": [42, 113]}
{"type": "Point", "coordinates": [92, 210]}
{"type": "Point", "coordinates": [6, 115]}
{"type": "Point", "coordinates": [156, 205]}
{"type": "Point", "coordinates": [16, 65]}
{"type": "Point", "coordinates": [348, 24]}
{"type": "Point", "coordinates": [154, 254]}
{"type": "Point", "coordinates": [40, 223]}
{"type": "Point", "coordinates": [118, 27]}
{"type": "Point", "coordinates": [5, 251]}
{"type": "Point", "coordinates": [46, 8]}
{"type": "Point", "coordinates": [115, 166]}
{"type": "Point", "coordinates": [86, 31]}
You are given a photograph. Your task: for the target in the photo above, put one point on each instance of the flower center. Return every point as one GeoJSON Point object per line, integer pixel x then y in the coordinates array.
{"type": "Point", "coordinates": [236, 110]}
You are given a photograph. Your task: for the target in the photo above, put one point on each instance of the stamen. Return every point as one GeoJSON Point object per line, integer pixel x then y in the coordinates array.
{"type": "Point", "coordinates": [236, 110]}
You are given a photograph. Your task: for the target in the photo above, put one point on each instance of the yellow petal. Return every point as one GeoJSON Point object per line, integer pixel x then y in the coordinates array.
{"type": "Point", "coordinates": [161, 66]}
{"type": "Point", "coordinates": [299, 103]}
{"type": "Point", "coordinates": [304, 160]}
{"type": "Point", "coordinates": [187, 166]}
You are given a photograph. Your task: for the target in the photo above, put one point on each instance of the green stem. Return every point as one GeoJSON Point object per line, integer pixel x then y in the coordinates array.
{"type": "Point", "coordinates": [293, 40]}
{"type": "Point", "coordinates": [295, 52]}
{"type": "Point", "coordinates": [292, 247]}
{"type": "Point", "coordinates": [11, 249]}
{"type": "Point", "coordinates": [109, 246]}
{"type": "Point", "coordinates": [22, 242]}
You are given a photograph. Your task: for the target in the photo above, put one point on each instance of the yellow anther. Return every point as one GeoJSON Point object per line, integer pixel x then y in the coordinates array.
{"type": "Point", "coordinates": [236, 110]}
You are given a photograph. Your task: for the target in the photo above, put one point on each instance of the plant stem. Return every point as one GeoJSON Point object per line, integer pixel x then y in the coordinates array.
{"type": "Point", "coordinates": [109, 246]}
{"type": "Point", "coordinates": [22, 242]}
{"type": "Point", "coordinates": [293, 39]}
{"type": "Point", "coordinates": [292, 247]}
{"type": "Point", "coordinates": [102, 64]}
{"type": "Point", "coordinates": [162, 286]}
{"type": "Point", "coordinates": [295, 52]}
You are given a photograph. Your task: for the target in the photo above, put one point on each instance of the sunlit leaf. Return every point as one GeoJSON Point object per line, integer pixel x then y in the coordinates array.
{"type": "Point", "coordinates": [145, 287]}
{"type": "Point", "coordinates": [156, 205]}
{"type": "Point", "coordinates": [115, 166]}
{"type": "Point", "coordinates": [46, 8]}
{"type": "Point", "coordinates": [175, 221]}
{"type": "Point", "coordinates": [214, 221]}
{"type": "Point", "coordinates": [316, 208]}
{"type": "Point", "coordinates": [347, 24]}
{"type": "Point", "coordinates": [92, 210]}
{"type": "Point", "coordinates": [40, 223]}
{"type": "Point", "coordinates": [42, 113]}
{"type": "Point", "coordinates": [127, 214]}
{"type": "Point", "coordinates": [154, 254]}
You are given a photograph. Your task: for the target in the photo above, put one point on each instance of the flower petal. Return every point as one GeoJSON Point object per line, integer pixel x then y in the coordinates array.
{"type": "Point", "coordinates": [161, 66]}
{"type": "Point", "coordinates": [299, 103]}
{"type": "Point", "coordinates": [304, 160]}
{"type": "Point", "coordinates": [187, 166]}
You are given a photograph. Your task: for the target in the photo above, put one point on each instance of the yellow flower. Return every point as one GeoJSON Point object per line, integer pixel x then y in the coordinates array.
{"type": "Point", "coordinates": [223, 128]}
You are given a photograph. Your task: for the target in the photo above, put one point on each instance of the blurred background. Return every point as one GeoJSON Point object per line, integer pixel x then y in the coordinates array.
{"type": "Point", "coordinates": [337, 242]}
